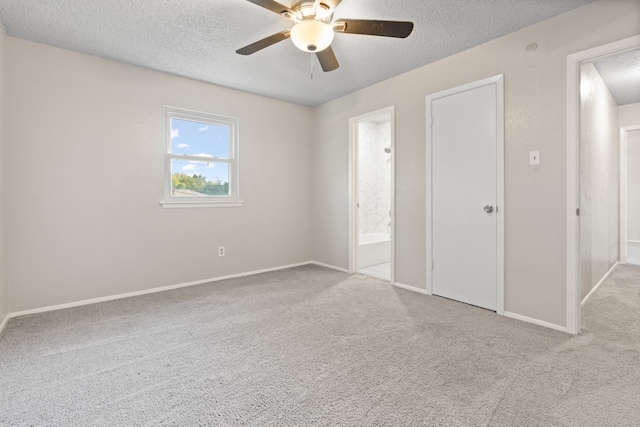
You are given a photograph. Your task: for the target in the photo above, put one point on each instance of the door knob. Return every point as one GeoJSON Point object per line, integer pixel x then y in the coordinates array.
{"type": "Point", "coordinates": [488, 209]}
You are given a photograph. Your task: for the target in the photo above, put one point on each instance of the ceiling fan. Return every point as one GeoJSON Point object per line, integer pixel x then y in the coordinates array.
{"type": "Point", "coordinates": [313, 30]}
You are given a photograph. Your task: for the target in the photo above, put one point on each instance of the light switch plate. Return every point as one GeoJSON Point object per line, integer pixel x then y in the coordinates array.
{"type": "Point", "coordinates": [534, 157]}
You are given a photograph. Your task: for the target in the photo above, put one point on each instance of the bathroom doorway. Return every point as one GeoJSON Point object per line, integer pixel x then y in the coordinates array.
{"type": "Point", "coordinates": [372, 188]}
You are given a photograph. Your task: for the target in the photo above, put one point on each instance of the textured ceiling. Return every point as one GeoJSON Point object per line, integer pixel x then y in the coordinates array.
{"type": "Point", "coordinates": [621, 74]}
{"type": "Point", "coordinates": [198, 38]}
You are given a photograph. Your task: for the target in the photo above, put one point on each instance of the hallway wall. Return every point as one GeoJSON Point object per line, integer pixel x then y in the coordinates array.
{"type": "Point", "coordinates": [599, 186]}
{"type": "Point", "coordinates": [629, 115]}
{"type": "Point", "coordinates": [4, 138]}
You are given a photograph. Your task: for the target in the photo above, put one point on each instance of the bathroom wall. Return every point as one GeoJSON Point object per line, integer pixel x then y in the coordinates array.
{"type": "Point", "coordinates": [374, 177]}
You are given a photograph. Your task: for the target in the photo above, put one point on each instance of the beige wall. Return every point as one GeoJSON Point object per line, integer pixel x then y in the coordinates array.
{"type": "Point", "coordinates": [4, 297]}
{"type": "Point", "coordinates": [599, 182]}
{"type": "Point", "coordinates": [86, 165]}
{"type": "Point", "coordinates": [629, 115]}
{"type": "Point", "coordinates": [535, 103]}
{"type": "Point", "coordinates": [633, 185]}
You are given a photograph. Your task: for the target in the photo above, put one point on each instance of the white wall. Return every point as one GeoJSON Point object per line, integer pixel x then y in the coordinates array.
{"type": "Point", "coordinates": [374, 169]}
{"type": "Point", "coordinates": [4, 297]}
{"type": "Point", "coordinates": [535, 103]}
{"type": "Point", "coordinates": [599, 183]}
{"type": "Point", "coordinates": [629, 115]}
{"type": "Point", "coordinates": [86, 166]}
{"type": "Point", "coordinates": [633, 185]}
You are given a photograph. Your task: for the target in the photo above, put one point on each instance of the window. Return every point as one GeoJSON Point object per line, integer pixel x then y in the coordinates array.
{"type": "Point", "coordinates": [201, 160]}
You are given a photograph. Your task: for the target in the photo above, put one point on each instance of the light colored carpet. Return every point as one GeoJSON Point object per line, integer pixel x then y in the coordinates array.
{"type": "Point", "coordinates": [314, 347]}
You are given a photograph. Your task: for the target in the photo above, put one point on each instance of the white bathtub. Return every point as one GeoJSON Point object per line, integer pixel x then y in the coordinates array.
{"type": "Point", "coordinates": [374, 249]}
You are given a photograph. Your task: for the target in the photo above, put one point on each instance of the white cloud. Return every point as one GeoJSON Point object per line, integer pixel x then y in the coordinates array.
{"type": "Point", "coordinates": [202, 129]}
{"type": "Point", "coordinates": [182, 145]}
{"type": "Point", "coordinates": [189, 167]}
{"type": "Point", "coordinates": [203, 155]}
{"type": "Point", "coordinates": [175, 133]}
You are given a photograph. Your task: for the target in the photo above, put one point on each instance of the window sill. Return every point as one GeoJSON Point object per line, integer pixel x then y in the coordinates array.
{"type": "Point", "coordinates": [201, 204]}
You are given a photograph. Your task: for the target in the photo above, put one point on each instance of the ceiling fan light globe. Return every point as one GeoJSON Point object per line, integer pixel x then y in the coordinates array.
{"type": "Point", "coordinates": [312, 36]}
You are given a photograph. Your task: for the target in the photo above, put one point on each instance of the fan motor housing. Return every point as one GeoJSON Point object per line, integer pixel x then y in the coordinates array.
{"type": "Point", "coordinates": [304, 8]}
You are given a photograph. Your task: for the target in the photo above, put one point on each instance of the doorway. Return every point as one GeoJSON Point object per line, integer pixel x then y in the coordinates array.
{"type": "Point", "coordinates": [372, 194]}
{"type": "Point", "coordinates": [465, 194]}
{"type": "Point", "coordinates": [579, 202]}
{"type": "Point", "coordinates": [630, 194]}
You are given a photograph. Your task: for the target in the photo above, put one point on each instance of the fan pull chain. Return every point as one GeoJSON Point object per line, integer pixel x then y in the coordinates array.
{"type": "Point", "coordinates": [313, 63]}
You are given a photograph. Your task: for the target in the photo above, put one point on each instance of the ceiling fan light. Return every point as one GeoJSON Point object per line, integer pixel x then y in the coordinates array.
{"type": "Point", "coordinates": [312, 35]}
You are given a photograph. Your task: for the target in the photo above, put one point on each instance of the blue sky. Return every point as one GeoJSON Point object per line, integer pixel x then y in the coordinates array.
{"type": "Point", "coordinates": [203, 140]}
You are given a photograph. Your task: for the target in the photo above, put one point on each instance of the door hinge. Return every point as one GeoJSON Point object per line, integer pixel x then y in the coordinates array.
{"type": "Point", "coordinates": [578, 212]}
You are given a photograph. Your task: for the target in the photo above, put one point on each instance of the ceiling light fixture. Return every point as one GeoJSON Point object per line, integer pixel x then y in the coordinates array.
{"type": "Point", "coordinates": [311, 35]}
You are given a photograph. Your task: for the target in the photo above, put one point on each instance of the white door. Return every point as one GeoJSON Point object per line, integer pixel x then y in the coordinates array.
{"type": "Point", "coordinates": [464, 195]}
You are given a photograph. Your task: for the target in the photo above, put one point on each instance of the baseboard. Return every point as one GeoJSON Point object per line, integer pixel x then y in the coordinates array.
{"type": "Point", "coordinates": [411, 288]}
{"type": "Point", "coordinates": [535, 321]}
{"type": "Point", "coordinates": [333, 267]}
{"type": "Point", "coordinates": [595, 288]}
{"type": "Point", "coordinates": [149, 291]}
{"type": "Point", "coordinates": [4, 322]}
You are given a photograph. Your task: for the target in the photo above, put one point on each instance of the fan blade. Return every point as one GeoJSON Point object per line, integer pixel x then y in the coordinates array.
{"type": "Point", "coordinates": [266, 42]}
{"type": "Point", "coordinates": [327, 59]}
{"type": "Point", "coordinates": [399, 29]}
{"type": "Point", "coordinates": [274, 6]}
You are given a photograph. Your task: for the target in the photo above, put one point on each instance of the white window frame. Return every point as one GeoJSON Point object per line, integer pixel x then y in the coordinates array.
{"type": "Point", "coordinates": [232, 123]}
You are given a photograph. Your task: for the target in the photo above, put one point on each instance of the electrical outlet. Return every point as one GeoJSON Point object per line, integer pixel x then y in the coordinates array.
{"type": "Point", "coordinates": [221, 251]}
